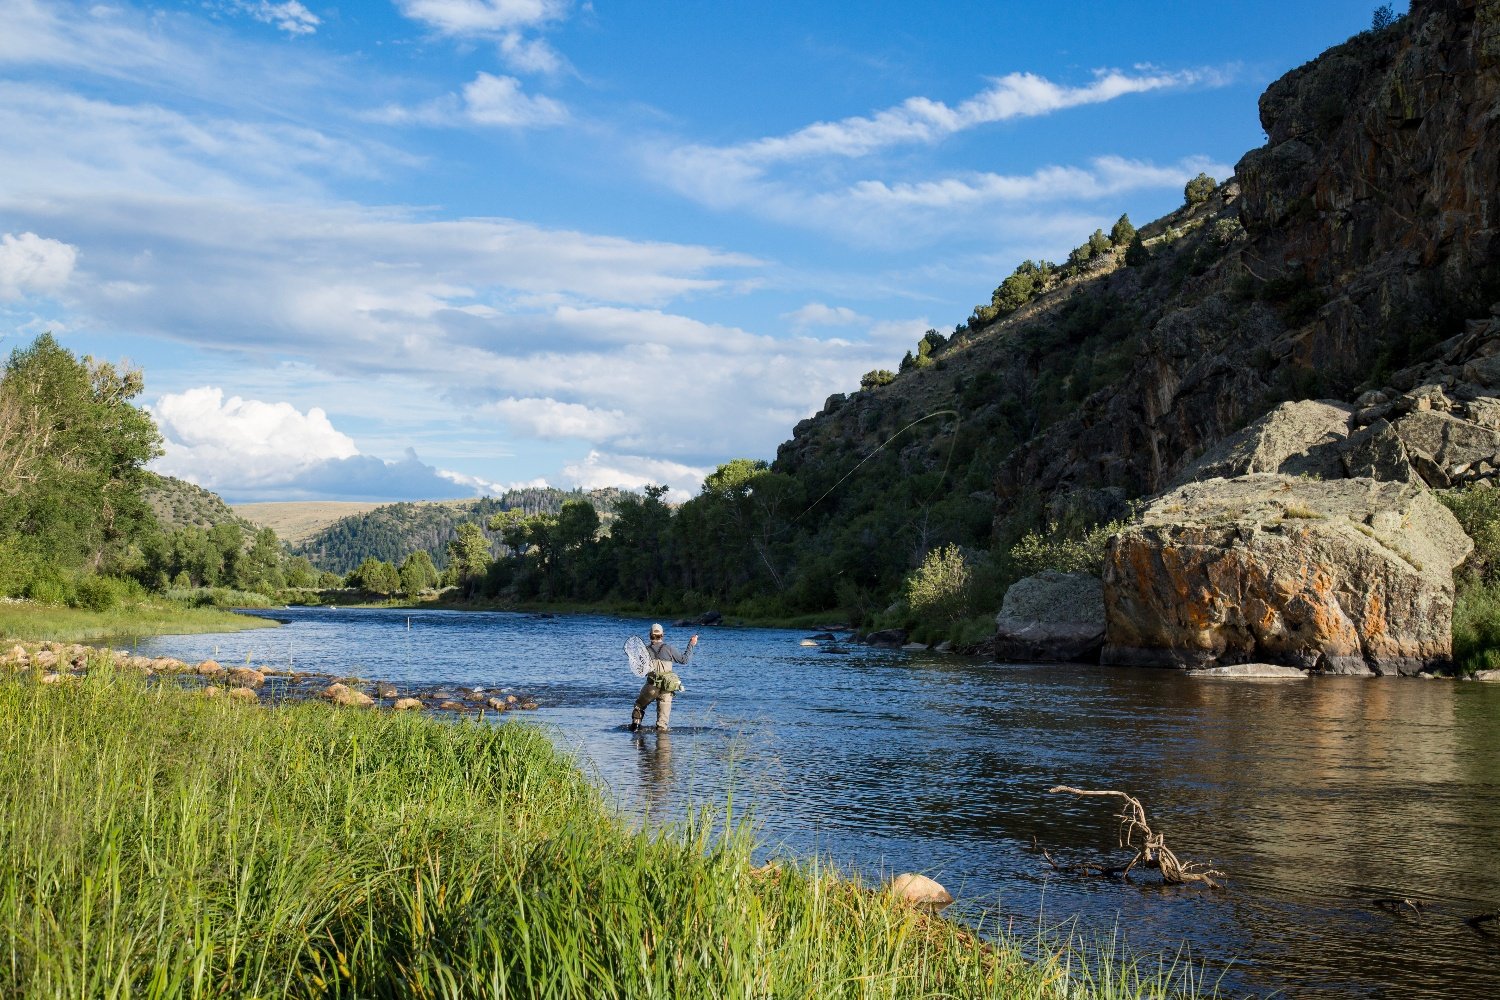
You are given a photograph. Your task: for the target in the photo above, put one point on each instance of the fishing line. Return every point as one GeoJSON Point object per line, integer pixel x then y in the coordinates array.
{"type": "Point", "coordinates": [947, 463]}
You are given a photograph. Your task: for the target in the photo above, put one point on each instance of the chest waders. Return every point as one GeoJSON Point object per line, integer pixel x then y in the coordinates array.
{"type": "Point", "coordinates": [661, 684]}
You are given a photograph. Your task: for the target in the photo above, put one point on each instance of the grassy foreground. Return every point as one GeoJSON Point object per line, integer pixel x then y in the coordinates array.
{"type": "Point", "coordinates": [31, 620]}
{"type": "Point", "coordinates": [155, 843]}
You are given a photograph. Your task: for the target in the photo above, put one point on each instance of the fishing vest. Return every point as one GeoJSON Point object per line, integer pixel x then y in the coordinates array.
{"type": "Point", "coordinates": [662, 674]}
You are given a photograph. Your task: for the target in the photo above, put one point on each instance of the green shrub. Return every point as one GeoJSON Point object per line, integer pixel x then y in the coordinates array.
{"type": "Point", "coordinates": [1064, 551]}
{"type": "Point", "coordinates": [1476, 628]}
{"type": "Point", "coordinates": [100, 593]}
{"type": "Point", "coordinates": [939, 591]}
{"type": "Point", "coordinates": [1478, 511]}
{"type": "Point", "coordinates": [878, 377]}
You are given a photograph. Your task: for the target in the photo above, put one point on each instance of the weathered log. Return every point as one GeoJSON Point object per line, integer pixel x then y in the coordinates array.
{"type": "Point", "coordinates": [1152, 852]}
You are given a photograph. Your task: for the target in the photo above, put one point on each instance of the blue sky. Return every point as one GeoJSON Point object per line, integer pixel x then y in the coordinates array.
{"type": "Point", "coordinates": [437, 248]}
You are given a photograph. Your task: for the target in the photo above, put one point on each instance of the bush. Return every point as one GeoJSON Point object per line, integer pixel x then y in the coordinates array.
{"type": "Point", "coordinates": [1064, 551]}
{"type": "Point", "coordinates": [878, 377]}
{"type": "Point", "coordinates": [1476, 628]}
{"type": "Point", "coordinates": [100, 593]}
{"type": "Point", "coordinates": [939, 591]}
{"type": "Point", "coordinates": [1477, 509]}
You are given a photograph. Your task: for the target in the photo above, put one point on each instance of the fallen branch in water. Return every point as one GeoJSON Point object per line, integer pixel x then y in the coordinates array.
{"type": "Point", "coordinates": [1479, 919]}
{"type": "Point", "coordinates": [1152, 852]}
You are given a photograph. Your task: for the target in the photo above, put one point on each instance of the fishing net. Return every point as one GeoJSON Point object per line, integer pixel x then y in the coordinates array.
{"type": "Point", "coordinates": [638, 656]}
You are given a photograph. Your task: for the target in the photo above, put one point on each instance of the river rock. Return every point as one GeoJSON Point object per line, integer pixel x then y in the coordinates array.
{"type": "Point", "coordinates": [919, 890]}
{"type": "Point", "coordinates": [1342, 576]}
{"type": "Point", "coordinates": [453, 706]}
{"type": "Point", "coordinates": [16, 658]}
{"type": "Point", "coordinates": [890, 638]}
{"type": "Point", "coordinates": [385, 689]}
{"type": "Point", "coordinates": [1486, 675]}
{"type": "Point", "coordinates": [247, 677]}
{"type": "Point", "coordinates": [245, 694]}
{"type": "Point", "coordinates": [209, 668]}
{"type": "Point", "coordinates": [1251, 671]}
{"type": "Point", "coordinates": [1051, 617]}
{"type": "Point", "coordinates": [498, 704]}
{"type": "Point", "coordinates": [342, 694]}
{"type": "Point", "coordinates": [407, 704]}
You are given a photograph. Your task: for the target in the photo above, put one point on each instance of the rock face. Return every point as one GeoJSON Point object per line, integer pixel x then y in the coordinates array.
{"type": "Point", "coordinates": [1051, 617]}
{"type": "Point", "coordinates": [1299, 438]}
{"type": "Point", "coordinates": [1345, 576]}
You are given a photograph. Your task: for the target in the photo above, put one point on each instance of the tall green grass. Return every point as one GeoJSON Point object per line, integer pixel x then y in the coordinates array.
{"type": "Point", "coordinates": [31, 620]}
{"type": "Point", "coordinates": [155, 843]}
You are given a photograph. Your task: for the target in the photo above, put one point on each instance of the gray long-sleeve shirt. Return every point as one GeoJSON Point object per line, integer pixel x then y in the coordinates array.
{"type": "Point", "coordinates": [660, 650]}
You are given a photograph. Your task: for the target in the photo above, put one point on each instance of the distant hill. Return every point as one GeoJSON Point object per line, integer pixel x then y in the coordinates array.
{"type": "Point", "coordinates": [393, 531]}
{"type": "Point", "coordinates": [297, 521]}
{"type": "Point", "coordinates": [180, 504]}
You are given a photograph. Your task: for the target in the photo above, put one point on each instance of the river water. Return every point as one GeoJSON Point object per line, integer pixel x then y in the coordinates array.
{"type": "Point", "coordinates": [1316, 798]}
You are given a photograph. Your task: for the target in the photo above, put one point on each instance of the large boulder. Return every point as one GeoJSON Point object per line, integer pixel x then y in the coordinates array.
{"type": "Point", "coordinates": [1348, 576]}
{"type": "Point", "coordinates": [1051, 617]}
{"type": "Point", "coordinates": [1299, 438]}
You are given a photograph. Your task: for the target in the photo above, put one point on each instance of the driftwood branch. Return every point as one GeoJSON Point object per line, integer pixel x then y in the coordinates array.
{"type": "Point", "coordinates": [1150, 847]}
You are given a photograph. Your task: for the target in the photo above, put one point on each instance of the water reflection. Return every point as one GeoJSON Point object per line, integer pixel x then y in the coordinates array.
{"type": "Point", "coordinates": [1316, 797]}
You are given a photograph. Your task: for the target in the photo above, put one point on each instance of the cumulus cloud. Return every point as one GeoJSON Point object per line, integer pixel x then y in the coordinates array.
{"type": "Point", "coordinates": [599, 470]}
{"type": "Point", "coordinates": [30, 263]}
{"type": "Point", "coordinates": [251, 450]}
{"type": "Point", "coordinates": [548, 419]}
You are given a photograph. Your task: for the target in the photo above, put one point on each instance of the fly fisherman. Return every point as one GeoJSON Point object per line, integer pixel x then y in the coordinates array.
{"type": "Point", "coordinates": [662, 682]}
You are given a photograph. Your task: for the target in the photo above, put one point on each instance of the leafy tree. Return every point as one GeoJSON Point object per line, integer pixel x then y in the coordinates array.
{"type": "Point", "coordinates": [300, 573]}
{"type": "Point", "coordinates": [418, 573]}
{"type": "Point", "coordinates": [72, 454]}
{"type": "Point", "coordinates": [469, 555]}
{"type": "Point", "coordinates": [1199, 189]}
{"type": "Point", "coordinates": [878, 377]}
{"type": "Point", "coordinates": [376, 576]}
{"type": "Point", "coordinates": [1122, 232]}
{"type": "Point", "coordinates": [259, 569]}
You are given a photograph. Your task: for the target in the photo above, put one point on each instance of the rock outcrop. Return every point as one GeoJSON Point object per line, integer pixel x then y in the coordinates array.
{"type": "Point", "coordinates": [1051, 617]}
{"type": "Point", "coordinates": [1344, 576]}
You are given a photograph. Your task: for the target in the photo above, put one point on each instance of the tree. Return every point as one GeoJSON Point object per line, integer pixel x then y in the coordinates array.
{"type": "Point", "coordinates": [72, 454]}
{"type": "Point", "coordinates": [1098, 243]}
{"type": "Point", "coordinates": [876, 378]}
{"type": "Point", "coordinates": [1199, 189]}
{"type": "Point", "coordinates": [259, 569]}
{"type": "Point", "coordinates": [1136, 253]}
{"type": "Point", "coordinates": [1382, 17]}
{"type": "Point", "coordinates": [300, 573]}
{"type": "Point", "coordinates": [1024, 284]}
{"type": "Point", "coordinates": [1122, 232]}
{"type": "Point", "coordinates": [376, 576]}
{"type": "Point", "coordinates": [418, 573]}
{"type": "Point", "coordinates": [469, 555]}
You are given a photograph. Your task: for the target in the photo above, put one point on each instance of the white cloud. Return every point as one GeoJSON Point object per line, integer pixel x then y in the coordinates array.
{"type": "Point", "coordinates": [31, 263]}
{"type": "Point", "coordinates": [818, 314]}
{"type": "Point", "coordinates": [529, 55]}
{"type": "Point", "coordinates": [290, 16]}
{"type": "Point", "coordinates": [205, 436]}
{"type": "Point", "coordinates": [548, 419]}
{"type": "Point", "coordinates": [498, 100]}
{"type": "Point", "coordinates": [486, 100]}
{"type": "Point", "coordinates": [247, 449]}
{"type": "Point", "coordinates": [483, 17]}
{"type": "Point", "coordinates": [800, 178]}
{"type": "Point", "coordinates": [599, 470]}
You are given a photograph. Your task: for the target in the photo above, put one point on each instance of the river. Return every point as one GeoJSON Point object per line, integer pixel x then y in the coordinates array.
{"type": "Point", "coordinates": [1315, 798]}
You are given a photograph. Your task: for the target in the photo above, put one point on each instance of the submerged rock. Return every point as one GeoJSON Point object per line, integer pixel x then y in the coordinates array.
{"type": "Point", "coordinates": [1342, 576]}
{"type": "Point", "coordinates": [407, 704]}
{"type": "Point", "coordinates": [343, 695]}
{"type": "Point", "coordinates": [1051, 617]}
{"type": "Point", "coordinates": [1251, 671]}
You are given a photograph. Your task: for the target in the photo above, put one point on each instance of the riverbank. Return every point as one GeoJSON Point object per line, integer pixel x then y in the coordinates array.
{"type": "Point", "coordinates": [155, 840]}
{"type": "Point", "coordinates": [28, 620]}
